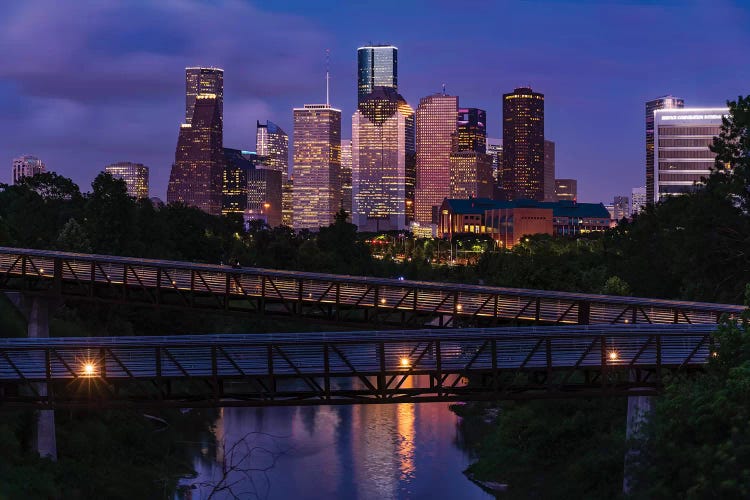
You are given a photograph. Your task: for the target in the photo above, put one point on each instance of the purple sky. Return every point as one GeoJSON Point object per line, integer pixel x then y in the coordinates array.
{"type": "Point", "coordinates": [84, 84]}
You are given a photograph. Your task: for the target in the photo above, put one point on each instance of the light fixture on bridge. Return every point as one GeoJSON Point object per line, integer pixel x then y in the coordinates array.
{"type": "Point", "coordinates": [459, 307]}
{"type": "Point", "coordinates": [88, 369]}
{"type": "Point", "coordinates": [405, 362]}
{"type": "Point", "coordinates": [382, 301]}
{"type": "Point", "coordinates": [613, 356]}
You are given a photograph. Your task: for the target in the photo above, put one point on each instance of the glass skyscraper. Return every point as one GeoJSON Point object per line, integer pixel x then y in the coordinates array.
{"type": "Point", "coordinates": [317, 166]}
{"type": "Point", "coordinates": [382, 162]}
{"type": "Point", "coordinates": [377, 66]}
{"type": "Point", "coordinates": [199, 80]}
{"type": "Point", "coordinates": [664, 102]}
{"type": "Point", "coordinates": [135, 176]}
{"type": "Point", "coordinates": [471, 134]}
{"type": "Point", "coordinates": [682, 138]}
{"type": "Point", "coordinates": [436, 126]}
{"type": "Point", "coordinates": [196, 176]}
{"type": "Point", "coordinates": [523, 144]}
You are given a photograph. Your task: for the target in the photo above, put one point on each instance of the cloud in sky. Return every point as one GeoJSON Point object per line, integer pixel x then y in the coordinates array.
{"type": "Point", "coordinates": [86, 83]}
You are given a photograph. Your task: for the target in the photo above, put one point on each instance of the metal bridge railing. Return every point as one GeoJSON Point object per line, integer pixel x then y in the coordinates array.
{"type": "Point", "coordinates": [325, 296]}
{"type": "Point", "coordinates": [346, 368]}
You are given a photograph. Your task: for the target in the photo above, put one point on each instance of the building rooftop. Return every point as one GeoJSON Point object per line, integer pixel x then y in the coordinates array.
{"type": "Point", "coordinates": [565, 208]}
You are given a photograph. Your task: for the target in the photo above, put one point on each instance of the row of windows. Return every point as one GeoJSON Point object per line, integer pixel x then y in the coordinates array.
{"type": "Point", "coordinates": [681, 177]}
{"type": "Point", "coordinates": [681, 153]}
{"type": "Point", "coordinates": [689, 143]}
{"type": "Point", "coordinates": [712, 131]}
{"type": "Point", "coordinates": [686, 165]}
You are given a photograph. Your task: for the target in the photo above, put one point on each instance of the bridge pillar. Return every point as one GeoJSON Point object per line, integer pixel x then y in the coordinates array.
{"type": "Point", "coordinates": [36, 310]}
{"type": "Point", "coordinates": [639, 409]}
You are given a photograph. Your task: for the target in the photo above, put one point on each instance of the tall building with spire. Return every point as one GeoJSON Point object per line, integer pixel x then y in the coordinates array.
{"type": "Point", "coordinates": [377, 66]}
{"type": "Point", "coordinates": [196, 176]}
{"type": "Point", "coordinates": [663, 102]}
{"type": "Point", "coordinates": [317, 166]}
{"type": "Point", "coordinates": [523, 144]}
{"type": "Point", "coordinates": [383, 162]}
{"type": "Point", "coordinates": [436, 126]}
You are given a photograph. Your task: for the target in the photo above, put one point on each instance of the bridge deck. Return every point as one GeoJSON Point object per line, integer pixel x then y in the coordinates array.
{"type": "Point", "coordinates": [347, 368]}
{"type": "Point", "coordinates": [337, 298]}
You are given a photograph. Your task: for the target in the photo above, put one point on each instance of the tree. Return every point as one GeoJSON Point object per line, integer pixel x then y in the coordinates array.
{"type": "Point", "coordinates": [697, 442]}
{"type": "Point", "coordinates": [731, 173]}
{"type": "Point", "coordinates": [110, 216]}
{"type": "Point", "coordinates": [73, 238]}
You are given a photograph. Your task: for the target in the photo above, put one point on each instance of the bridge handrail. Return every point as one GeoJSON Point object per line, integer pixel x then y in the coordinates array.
{"type": "Point", "coordinates": [396, 283]}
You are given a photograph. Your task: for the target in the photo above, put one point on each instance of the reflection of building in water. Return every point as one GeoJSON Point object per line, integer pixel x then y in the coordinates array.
{"type": "Point", "coordinates": [383, 447]}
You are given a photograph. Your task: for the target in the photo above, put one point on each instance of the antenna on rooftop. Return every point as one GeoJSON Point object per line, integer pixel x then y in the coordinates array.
{"type": "Point", "coordinates": [328, 70]}
{"type": "Point", "coordinates": [443, 89]}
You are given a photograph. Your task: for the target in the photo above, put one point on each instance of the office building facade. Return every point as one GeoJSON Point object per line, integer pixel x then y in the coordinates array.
{"type": "Point", "coordinates": [135, 176]}
{"type": "Point", "coordinates": [637, 200]}
{"type": "Point", "coordinates": [621, 206]}
{"type": "Point", "coordinates": [346, 177]}
{"type": "Point", "coordinates": [196, 176]}
{"type": "Point", "coordinates": [317, 166]}
{"type": "Point", "coordinates": [383, 161]}
{"type": "Point", "coordinates": [377, 66]}
{"type": "Point", "coordinates": [682, 157]}
{"type": "Point", "coordinates": [27, 166]}
{"type": "Point", "coordinates": [664, 102]}
{"type": "Point", "coordinates": [203, 81]}
{"type": "Point", "coordinates": [471, 175]}
{"type": "Point", "coordinates": [436, 124]}
{"type": "Point", "coordinates": [523, 144]}
{"type": "Point", "coordinates": [549, 171]}
{"type": "Point", "coordinates": [471, 130]}
{"type": "Point", "coordinates": [566, 189]}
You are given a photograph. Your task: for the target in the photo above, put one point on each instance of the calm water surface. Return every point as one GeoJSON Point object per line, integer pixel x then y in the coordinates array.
{"type": "Point", "coordinates": [404, 451]}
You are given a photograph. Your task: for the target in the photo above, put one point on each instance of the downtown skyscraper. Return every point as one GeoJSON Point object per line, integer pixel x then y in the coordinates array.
{"type": "Point", "coordinates": [383, 162]}
{"type": "Point", "coordinates": [272, 147]}
{"type": "Point", "coordinates": [196, 176]}
{"type": "Point", "coordinates": [663, 102]}
{"type": "Point", "coordinates": [317, 166]}
{"type": "Point", "coordinates": [523, 145]}
{"type": "Point", "coordinates": [135, 176]}
{"type": "Point", "coordinates": [27, 166]}
{"type": "Point", "coordinates": [470, 165]}
{"type": "Point", "coordinates": [377, 66]}
{"type": "Point", "coordinates": [436, 125]}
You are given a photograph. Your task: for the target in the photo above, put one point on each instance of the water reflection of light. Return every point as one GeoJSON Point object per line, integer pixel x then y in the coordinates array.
{"type": "Point", "coordinates": [405, 425]}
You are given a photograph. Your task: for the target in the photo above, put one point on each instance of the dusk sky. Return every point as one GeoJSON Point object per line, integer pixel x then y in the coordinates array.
{"type": "Point", "coordinates": [87, 83]}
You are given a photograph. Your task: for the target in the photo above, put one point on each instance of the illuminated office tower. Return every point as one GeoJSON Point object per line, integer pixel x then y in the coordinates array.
{"type": "Point", "coordinates": [272, 145]}
{"type": "Point", "coordinates": [471, 133]}
{"type": "Point", "coordinates": [135, 176]}
{"type": "Point", "coordinates": [27, 166]}
{"type": "Point", "coordinates": [495, 150]}
{"type": "Point", "coordinates": [436, 124]}
{"type": "Point", "coordinates": [196, 176]}
{"type": "Point", "coordinates": [346, 177]}
{"type": "Point", "coordinates": [549, 170]}
{"type": "Point", "coordinates": [523, 144]}
{"type": "Point", "coordinates": [682, 138]}
{"type": "Point", "coordinates": [637, 200]}
{"type": "Point", "coordinates": [621, 206]}
{"type": "Point", "coordinates": [566, 189]}
{"type": "Point", "coordinates": [377, 66]}
{"type": "Point", "coordinates": [664, 102]}
{"type": "Point", "coordinates": [317, 166]}
{"type": "Point", "coordinates": [251, 188]}
{"type": "Point", "coordinates": [199, 80]}
{"type": "Point", "coordinates": [471, 175]}
{"type": "Point", "coordinates": [382, 161]}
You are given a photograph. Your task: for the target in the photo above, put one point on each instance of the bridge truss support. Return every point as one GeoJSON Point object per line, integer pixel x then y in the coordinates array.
{"type": "Point", "coordinates": [36, 310]}
{"type": "Point", "coordinates": [639, 410]}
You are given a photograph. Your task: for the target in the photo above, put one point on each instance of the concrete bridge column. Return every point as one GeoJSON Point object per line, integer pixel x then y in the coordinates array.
{"type": "Point", "coordinates": [639, 409]}
{"type": "Point", "coordinates": [36, 310]}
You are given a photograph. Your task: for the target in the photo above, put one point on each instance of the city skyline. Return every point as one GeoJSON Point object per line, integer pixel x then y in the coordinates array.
{"type": "Point", "coordinates": [130, 99]}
